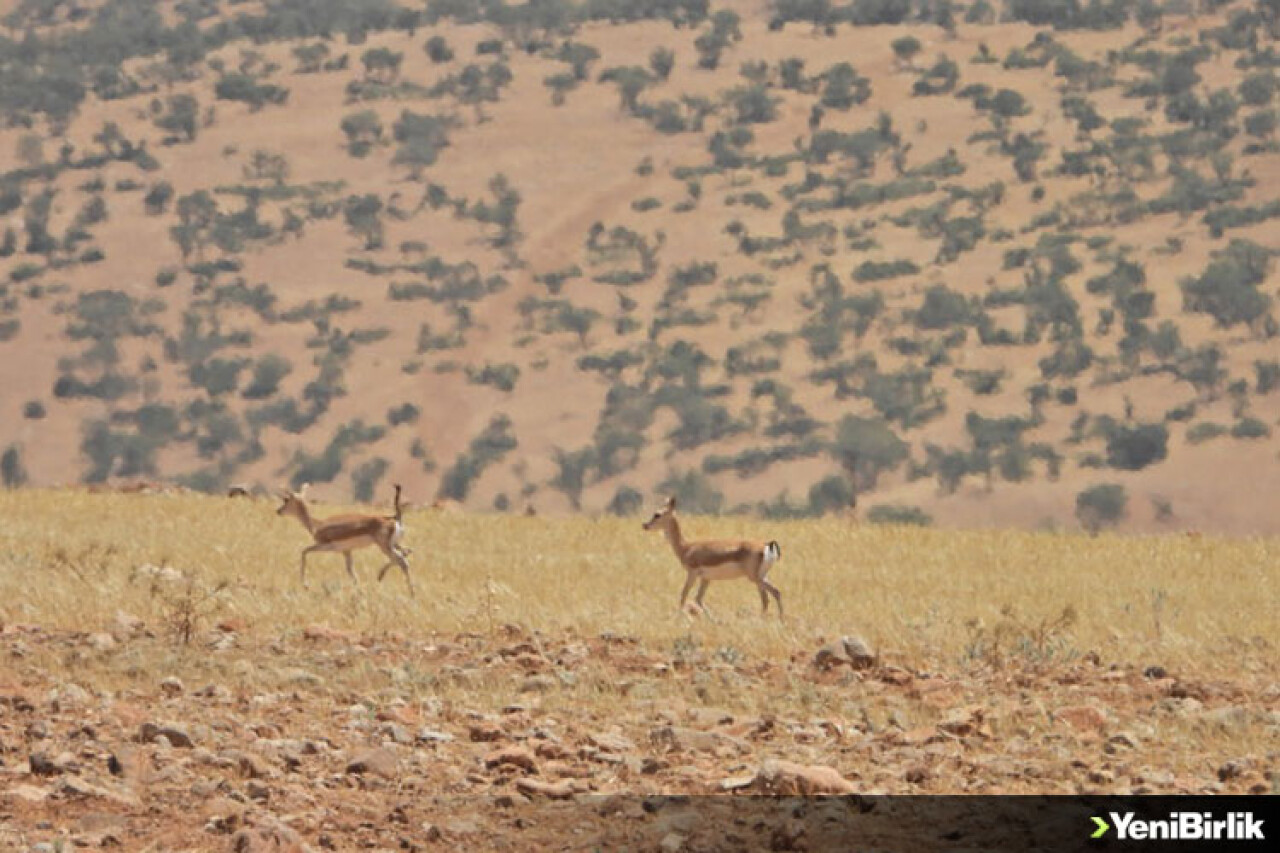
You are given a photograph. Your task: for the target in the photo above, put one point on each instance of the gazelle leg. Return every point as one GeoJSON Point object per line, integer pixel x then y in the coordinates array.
{"type": "Point", "coordinates": [702, 590]}
{"type": "Point", "coordinates": [764, 597]}
{"type": "Point", "coordinates": [350, 572]}
{"type": "Point", "coordinates": [398, 558]}
{"type": "Point", "coordinates": [684, 593]}
{"type": "Point", "coordinates": [777, 596]}
{"type": "Point", "coordinates": [302, 565]}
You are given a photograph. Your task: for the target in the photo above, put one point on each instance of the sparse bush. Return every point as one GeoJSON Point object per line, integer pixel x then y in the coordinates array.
{"type": "Point", "coordinates": [626, 501]}
{"type": "Point", "coordinates": [1250, 428]}
{"type": "Point", "coordinates": [1228, 288]}
{"type": "Point", "coordinates": [1204, 431]}
{"type": "Point", "coordinates": [899, 514]}
{"type": "Point", "coordinates": [13, 473]}
{"type": "Point", "coordinates": [693, 491]}
{"type": "Point", "coordinates": [1132, 448]}
{"type": "Point", "coordinates": [364, 479]}
{"type": "Point", "coordinates": [404, 414]}
{"type": "Point", "coordinates": [438, 49]}
{"type": "Point", "coordinates": [1100, 506]}
{"type": "Point", "coordinates": [830, 494]}
{"type": "Point", "coordinates": [268, 371]}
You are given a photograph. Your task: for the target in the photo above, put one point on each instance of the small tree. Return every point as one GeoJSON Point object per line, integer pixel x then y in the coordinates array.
{"type": "Point", "coordinates": [1228, 288]}
{"type": "Point", "coordinates": [181, 116]}
{"type": "Point", "coordinates": [905, 50]}
{"type": "Point", "coordinates": [438, 50]}
{"type": "Point", "coordinates": [866, 448]}
{"type": "Point", "coordinates": [382, 64]}
{"type": "Point", "coordinates": [572, 475]}
{"type": "Point", "coordinates": [1132, 448]}
{"type": "Point", "coordinates": [661, 61]}
{"type": "Point", "coordinates": [12, 472]}
{"type": "Point", "coordinates": [362, 213]}
{"type": "Point", "coordinates": [363, 131]}
{"type": "Point", "coordinates": [1100, 506]}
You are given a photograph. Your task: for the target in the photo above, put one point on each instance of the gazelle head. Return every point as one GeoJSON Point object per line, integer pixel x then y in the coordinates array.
{"type": "Point", "coordinates": [662, 516]}
{"type": "Point", "coordinates": [293, 502]}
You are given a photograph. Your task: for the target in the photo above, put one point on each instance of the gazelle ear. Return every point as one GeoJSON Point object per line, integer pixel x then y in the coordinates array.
{"type": "Point", "coordinates": [671, 502]}
{"type": "Point", "coordinates": [302, 490]}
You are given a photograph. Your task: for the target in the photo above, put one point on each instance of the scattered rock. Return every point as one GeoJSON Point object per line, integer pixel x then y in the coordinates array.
{"type": "Point", "coordinates": [171, 686]}
{"type": "Point", "coordinates": [432, 736]}
{"type": "Point", "coordinates": [562, 790]}
{"type": "Point", "coordinates": [672, 842]}
{"type": "Point", "coordinates": [964, 722]}
{"type": "Point", "coordinates": [611, 742]}
{"type": "Point", "coordinates": [790, 779]}
{"type": "Point", "coordinates": [175, 735]}
{"type": "Point", "coordinates": [42, 764]}
{"type": "Point", "coordinates": [537, 684]}
{"type": "Point", "coordinates": [485, 732]}
{"type": "Point", "coordinates": [101, 642]}
{"type": "Point", "coordinates": [850, 651]}
{"type": "Point", "coordinates": [1082, 718]}
{"type": "Point", "coordinates": [379, 762]}
{"type": "Point", "coordinates": [515, 756]}
{"type": "Point", "coordinates": [683, 739]}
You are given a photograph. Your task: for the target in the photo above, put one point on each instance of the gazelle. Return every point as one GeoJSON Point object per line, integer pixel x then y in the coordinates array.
{"type": "Point", "coordinates": [346, 533]}
{"type": "Point", "coordinates": [718, 560]}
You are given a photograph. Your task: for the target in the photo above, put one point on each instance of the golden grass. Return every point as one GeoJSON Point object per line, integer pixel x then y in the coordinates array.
{"type": "Point", "coordinates": [926, 599]}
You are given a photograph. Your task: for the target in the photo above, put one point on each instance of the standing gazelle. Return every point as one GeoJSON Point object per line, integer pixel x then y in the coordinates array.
{"type": "Point", "coordinates": [718, 560]}
{"type": "Point", "coordinates": [346, 533]}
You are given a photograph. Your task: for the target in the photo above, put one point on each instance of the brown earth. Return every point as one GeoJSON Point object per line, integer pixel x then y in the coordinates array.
{"type": "Point", "coordinates": [326, 739]}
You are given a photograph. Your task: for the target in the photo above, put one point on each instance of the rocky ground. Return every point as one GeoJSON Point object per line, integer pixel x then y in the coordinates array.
{"type": "Point", "coordinates": [323, 739]}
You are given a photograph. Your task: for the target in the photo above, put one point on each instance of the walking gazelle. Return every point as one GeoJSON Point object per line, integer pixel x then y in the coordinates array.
{"type": "Point", "coordinates": [718, 560]}
{"type": "Point", "coordinates": [346, 533]}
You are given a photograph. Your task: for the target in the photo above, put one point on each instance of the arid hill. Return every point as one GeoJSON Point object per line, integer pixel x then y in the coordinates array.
{"type": "Point", "coordinates": [972, 263]}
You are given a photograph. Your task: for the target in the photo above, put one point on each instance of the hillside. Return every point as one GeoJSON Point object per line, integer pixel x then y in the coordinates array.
{"type": "Point", "coordinates": [981, 265]}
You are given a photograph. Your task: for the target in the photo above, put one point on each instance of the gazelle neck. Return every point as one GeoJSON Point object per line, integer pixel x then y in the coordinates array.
{"type": "Point", "coordinates": [303, 514]}
{"type": "Point", "coordinates": [671, 528]}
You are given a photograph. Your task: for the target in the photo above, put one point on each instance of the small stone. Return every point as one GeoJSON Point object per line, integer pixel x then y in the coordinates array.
{"type": "Point", "coordinates": [176, 736]}
{"type": "Point", "coordinates": [171, 686]}
{"type": "Point", "coordinates": [43, 765]}
{"type": "Point", "coordinates": [612, 742]}
{"type": "Point", "coordinates": [672, 842]}
{"type": "Point", "coordinates": [1082, 718]}
{"type": "Point", "coordinates": [101, 642]}
{"type": "Point", "coordinates": [561, 790]}
{"type": "Point", "coordinates": [432, 736]}
{"type": "Point", "coordinates": [379, 762]}
{"type": "Point", "coordinates": [485, 732]}
{"type": "Point", "coordinates": [516, 756]}
{"type": "Point", "coordinates": [789, 779]}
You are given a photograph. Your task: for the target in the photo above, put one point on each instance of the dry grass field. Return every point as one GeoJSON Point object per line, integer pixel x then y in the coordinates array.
{"type": "Point", "coordinates": [545, 659]}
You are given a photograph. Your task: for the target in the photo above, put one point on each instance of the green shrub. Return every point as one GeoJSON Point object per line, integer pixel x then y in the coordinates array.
{"type": "Point", "coordinates": [626, 501]}
{"type": "Point", "coordinates": [1132, 448]}
{"type": "Point", "coordinates": [900, 514]}
{"type": "Point", "coordinates": [1100, 506]}
{"type": "Point", "coordinates": [1204, 431]}
{"type": "Point", "coordinates": [1250, 428]}
{"type": "Point", "coordinates": [404, 414]}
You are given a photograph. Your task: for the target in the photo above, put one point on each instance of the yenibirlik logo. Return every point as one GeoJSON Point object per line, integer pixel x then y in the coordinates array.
{"type": "Point", "coordinates": [1183, 826]}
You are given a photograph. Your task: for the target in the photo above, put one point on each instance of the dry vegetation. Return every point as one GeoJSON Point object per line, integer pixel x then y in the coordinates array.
{"type": "Point", "coordinates": [546, 658]}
